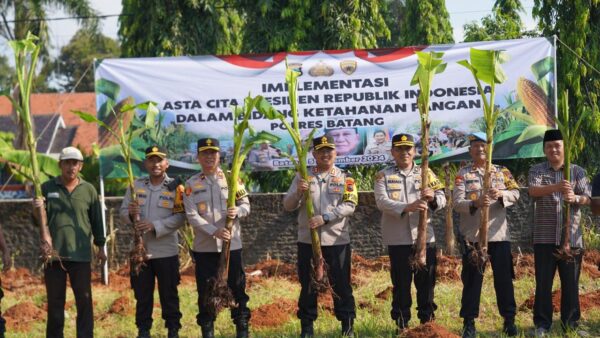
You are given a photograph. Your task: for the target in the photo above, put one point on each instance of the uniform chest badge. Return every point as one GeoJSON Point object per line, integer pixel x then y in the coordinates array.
{"type": "Point", "coordinates": [473, 196]}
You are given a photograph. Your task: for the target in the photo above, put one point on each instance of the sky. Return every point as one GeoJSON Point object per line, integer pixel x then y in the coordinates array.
{"type": "Point", "coordinates": [461, 12]}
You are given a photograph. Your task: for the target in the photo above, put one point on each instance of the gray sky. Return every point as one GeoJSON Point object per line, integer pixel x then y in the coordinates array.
{"type": "Point", "coordinates": [461, 12]}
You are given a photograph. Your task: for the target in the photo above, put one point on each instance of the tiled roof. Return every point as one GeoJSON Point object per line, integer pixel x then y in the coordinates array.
{"type": "Point", "coordinates": [45, 128]}
{"type": "Point", "coordinates": [63, 103]}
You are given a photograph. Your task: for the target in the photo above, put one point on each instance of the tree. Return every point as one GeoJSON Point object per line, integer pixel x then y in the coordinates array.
{"type": "Point", "coordinates": [6, 73]}
{"type": "Point", "coordinates": [77, 57]}
{"type": "Point", "coordinates": [427, 22]}
{"type": "Point", "coordinates": [505, 23]}
{"type": "Point", "coordinates": [180, 27]}
{"type": "Point", "coordinates": [304, 25]}
{"type": "Point", "coordinates": [577, 25]}
{"type": "Point", "coordinates": [30, 15]}
{"type": "Point", "coordinates": [393, 12]}
{"type": "Point", "coordinates": [236, 26]}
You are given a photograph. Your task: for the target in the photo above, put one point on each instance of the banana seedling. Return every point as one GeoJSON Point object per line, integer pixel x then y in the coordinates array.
{"type": "Point", "coordinates": [569, 134]}
{"type": "Point", "coordinates": [124, 136]}
{"type": "Point", "coordinates": [219, 295]}
{"type": "Point", "coordinates": [430, 63]}
{"type": "Point", "coordinates": [319, 277]}
{"type": "Point", "coordinates": [485, 65]}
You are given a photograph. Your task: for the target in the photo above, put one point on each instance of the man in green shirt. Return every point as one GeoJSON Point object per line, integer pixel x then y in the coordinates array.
{"type": "Point", "coordinates": [74, 215]}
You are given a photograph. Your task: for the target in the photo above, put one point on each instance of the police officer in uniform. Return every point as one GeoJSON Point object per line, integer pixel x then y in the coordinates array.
{"type": "Point", "coordinates": [160, 206]}
{"type": "Point", "coordinates": [400, 197]}
{"type": "Point", "coordinates": [205, 201]}
{"type": "Point", "coordinates": [334, 198]}
{"type": "Point", "coordinates": [468, 201]}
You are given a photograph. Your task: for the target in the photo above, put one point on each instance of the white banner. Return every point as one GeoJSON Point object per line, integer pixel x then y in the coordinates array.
{"type": "Point", "coordinates": [361, 97]}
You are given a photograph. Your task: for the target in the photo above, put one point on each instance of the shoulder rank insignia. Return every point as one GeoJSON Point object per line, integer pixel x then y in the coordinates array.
{"type": "Point", "coordinates": [509, 181]}
{"type": "Point", "coordinates": [350, 193]}
{"type": "Point", "coordinates": [434, 182]}
{"type": "Point", "coordinates": [178, 205]}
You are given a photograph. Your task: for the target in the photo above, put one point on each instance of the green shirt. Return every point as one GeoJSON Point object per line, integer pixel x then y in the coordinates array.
{"type": "Point", "coordinates": [72, 219]}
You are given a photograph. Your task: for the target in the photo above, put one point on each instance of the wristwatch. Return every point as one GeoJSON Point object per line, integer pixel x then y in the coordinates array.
{"type": "Point", "coordinates": [577, 199]}
{"type": "Point", "coordinates": [326, 218]}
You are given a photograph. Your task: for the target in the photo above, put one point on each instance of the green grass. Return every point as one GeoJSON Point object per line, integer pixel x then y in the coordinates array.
{"type": "Point", "coordinates": [372, 321]}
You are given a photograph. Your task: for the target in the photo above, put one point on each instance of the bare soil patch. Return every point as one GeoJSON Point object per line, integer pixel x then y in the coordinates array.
{"type": "Point", "coordinates": [273, 314]}
{"type": "Point", "coordinates": [20, 316]}
{"type": "Point", "coordinates": [428, 330]}
{"type": "Point", "coordinates": [448, 268]}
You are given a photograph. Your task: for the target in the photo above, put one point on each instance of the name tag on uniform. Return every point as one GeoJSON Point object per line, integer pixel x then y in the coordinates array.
{"type": "Point", "coordinates": [53, 195]}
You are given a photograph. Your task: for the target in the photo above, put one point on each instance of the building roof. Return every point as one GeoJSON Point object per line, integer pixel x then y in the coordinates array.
{"type": "Point", "coordinates": [50, 129]}
{"type": "Point", "coordinates": [81, 134]}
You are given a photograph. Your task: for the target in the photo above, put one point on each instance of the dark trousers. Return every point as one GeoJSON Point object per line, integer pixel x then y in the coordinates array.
{"type": "Point", "coordinates": [338, 260]}
{"type": "Point", "coordinates": [545, 267]}
{"type": "Point", "coordinates": [472, 279]}
{"type": "Point", "coordinates": [206, 268]}
{"type": "Point", "coordinates": [402, 275]}
{"type": "Point", "coordinates": [55, 277]}
{"type": "Point", "coordinates": [166, 272]}
{"type": "Point", "coordinates": [2, 320]}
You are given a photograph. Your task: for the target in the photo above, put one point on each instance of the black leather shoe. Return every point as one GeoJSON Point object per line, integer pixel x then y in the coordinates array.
{"type": "Point", "coordinates": [307, 330]}
{"type": "Point", "coordinates": [469, 329]}
{"type": "Point", "coordinates": [510, 329]}
{"type": "Point", "coordinates": [348, 327]}
{"type": "Point", "coordinates": [208, 330]}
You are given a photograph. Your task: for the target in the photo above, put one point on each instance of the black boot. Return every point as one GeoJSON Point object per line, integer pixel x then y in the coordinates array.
{"type": "Point", "coordinates": [510, 329]}
{"type": "Point", "coordinates": [469, 329]}
{"type": "Point", "coordinates": [241, 328]}
{"type": "Point", "coordinates": [348, 327]}
{"type": "Point", "coordinates": [208, 330]}
{"type": "Point", "coordinates": [307, 328]}
{"type": "Point", "coordinates": [143, 333]}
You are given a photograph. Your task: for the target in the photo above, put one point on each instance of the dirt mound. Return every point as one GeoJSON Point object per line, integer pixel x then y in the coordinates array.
{"type": "Point", "coordinates": [591, 263]}
{"type": "Point", "coordinates": [121, 306]}
{"type": "Point", "coordinates": [428, 330]}
{"type": "Point", "coordinates": [272, 268]}
{"type": "Point", "coordinates": [448, 268]}
{"type": "Point", "coordinates": [385, 294]}
{"type": "Point", "coordinates": [325, 301]}
{"type": "Point", "coordinates": [19, 278]}
{"type": "Point", "coordinates": [524, 265]}
{"type": "Point", "coordinates": [20, 316]}
{"type": "Point", "coordinates": [274, 314]}
{"type": "Point", "coordinates": [587, 301]}
{"type": "Point", "coordinates": [361, 264]}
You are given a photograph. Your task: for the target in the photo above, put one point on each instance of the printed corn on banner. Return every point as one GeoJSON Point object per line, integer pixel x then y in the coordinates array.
{"type": "Point", "coordinates": [359, 97]}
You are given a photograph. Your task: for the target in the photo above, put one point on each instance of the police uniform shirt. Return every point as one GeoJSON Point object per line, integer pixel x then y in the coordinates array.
{"type": "Point", "coordinates": [163, 208]}
{"type": "Point", "coordinates": [333, 194]}
{"type": "Point", "coordinates": [394, 190]}
{"type": "Point", "coordinates": [205, 202]}
{"type": "Point", "coordinates": [468, 187]}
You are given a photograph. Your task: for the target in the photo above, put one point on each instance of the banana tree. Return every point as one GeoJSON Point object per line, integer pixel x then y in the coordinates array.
{"type": "Point", "coordinates": [26, 54]}
{"type": "Point", "coordinates": [219, 295]}
{"type": "Point", "coordinates": [124, 136]}
{"type": "Point", "coordinates": [569, 144]}
{"type": "Point", "coordinates": [486, 67]}
{"type": "Point", "coordinates": [430, 63]}
{"type": "Point", "coordinates": [319, 277]}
